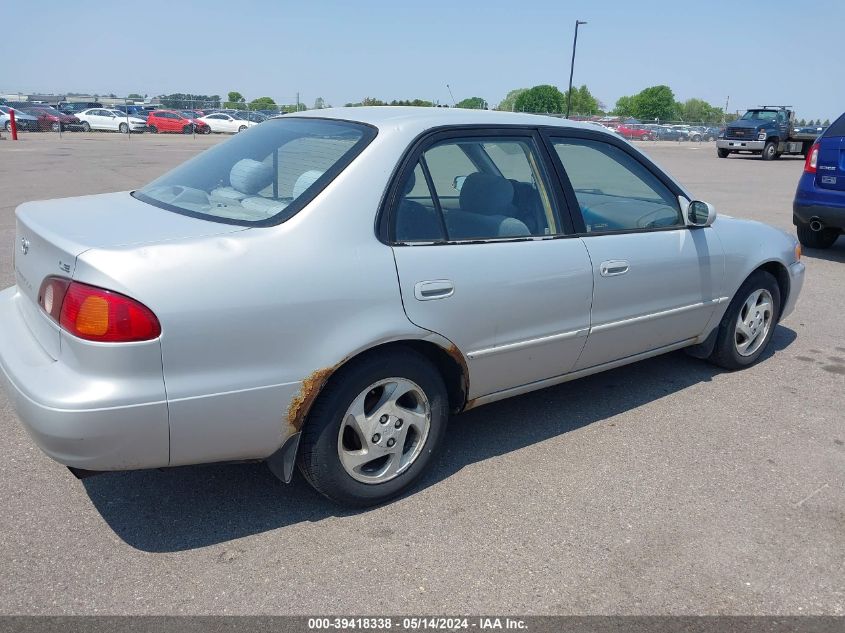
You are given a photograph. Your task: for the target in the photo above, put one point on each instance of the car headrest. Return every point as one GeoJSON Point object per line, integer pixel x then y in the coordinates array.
{"type": "Point", "coordinates": [250, 176]}
{"type": "Point", "coordinates": [304, 181]}
{"type": "Point", "coordinates": [486, 194]}
{"type": "Point", "coordinates": [410, 183]}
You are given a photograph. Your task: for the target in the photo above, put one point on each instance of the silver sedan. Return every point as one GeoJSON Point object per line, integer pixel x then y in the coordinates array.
{"type": "Point", "coordinates": [325, 289]}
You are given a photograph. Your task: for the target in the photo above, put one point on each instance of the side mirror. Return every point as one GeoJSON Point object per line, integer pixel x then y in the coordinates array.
{"type": "Point", "coordinates": [458, 182]}
{"type": "Point", "coordinates": [700, 213]}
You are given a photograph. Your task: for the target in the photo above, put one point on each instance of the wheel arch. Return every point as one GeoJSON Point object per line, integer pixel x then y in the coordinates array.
{"type": "Point", "coordinates": [444, 355]}
{"type": "Point", "coordinates": [777, 270]}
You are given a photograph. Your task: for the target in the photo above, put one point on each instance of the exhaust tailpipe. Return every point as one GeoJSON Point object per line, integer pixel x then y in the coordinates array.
{"type": "Point", "coordinates": [816, 225]}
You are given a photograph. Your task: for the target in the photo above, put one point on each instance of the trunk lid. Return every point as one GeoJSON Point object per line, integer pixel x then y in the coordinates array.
{"type": "Point", "coordinates": [830, 168]}
{"type": "Point", "coordinates": [51, 234]}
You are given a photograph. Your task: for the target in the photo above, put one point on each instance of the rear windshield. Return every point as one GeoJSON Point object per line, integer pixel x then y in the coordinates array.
{"type": "Point", "coordinates": [837, 128]}
{"type": "Point", "coordinates": [262, 176]}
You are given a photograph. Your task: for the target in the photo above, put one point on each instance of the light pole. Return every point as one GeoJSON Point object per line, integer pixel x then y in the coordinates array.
{"type": "Point", "coordinates": [572, 67]}
{"type": "Point", "coordinates": [451, 95]}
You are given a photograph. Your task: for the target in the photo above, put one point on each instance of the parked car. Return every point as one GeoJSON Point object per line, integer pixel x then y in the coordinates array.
{"type": "Point", "coordinates": [175, 121]}
{"type": "Point", "coordinates": [668, 133]}
{"type": "Point", "coordinates": [220, 122]}
{"type": "Point", "coordinates": [66, 107]}
{"type": "Point", "coordinates": [51, 119]}
{"type": "Point", "coordinates": [768, 131]}
{"type": "Point", "coordinates": [23, 120]}
{"type": "Point", "coordinates": [110, 120]}
{"type": "Point", "coordinates": [818, 210]}
{"type": "Point", "coordinates": [137, 110]}
{"type": "Point", "coordinates": [635, 132]}
{"type": "Point", "coordinates": [326, 288]}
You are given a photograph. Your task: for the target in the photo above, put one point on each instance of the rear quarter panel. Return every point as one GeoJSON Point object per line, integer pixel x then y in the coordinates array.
{"type": "Point", "coordinates": [247, 317]}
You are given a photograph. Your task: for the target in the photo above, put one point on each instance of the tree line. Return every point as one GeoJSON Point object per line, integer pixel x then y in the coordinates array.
{"type": "Point", "coordinates": [652, 103]}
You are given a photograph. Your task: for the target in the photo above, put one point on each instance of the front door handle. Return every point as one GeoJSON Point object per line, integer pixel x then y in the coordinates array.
{"type": "Point", "coordinates": [613, 267]}
{"type": "Point", "coordinates": [434, 289]}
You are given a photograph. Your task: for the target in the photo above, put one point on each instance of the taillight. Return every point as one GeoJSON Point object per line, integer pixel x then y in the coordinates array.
{"type": "Point", "coordinates": [812, 160]}
{"type": "Point", "coordinates": [96, 314]}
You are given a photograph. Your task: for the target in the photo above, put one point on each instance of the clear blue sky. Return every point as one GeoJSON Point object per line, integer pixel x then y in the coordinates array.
{"type": "Point", "coordinates": [395, 49]}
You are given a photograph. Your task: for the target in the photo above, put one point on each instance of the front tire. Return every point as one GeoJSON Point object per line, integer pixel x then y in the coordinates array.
{"type": "Point", "coordinates": [749, 322]}
{"type": "Point", "coordinates": [241, 128]}
{"type": "Point", "coordinates": [722, 153]}
{"type": "Point", "coordinates": [770, 151]}
{"type": "Point", "coordinates": [86, 127]}
{"type": "Point", "coordinates": [816, 239]}
{"type": "Point", "coordinates": [188, 129]}
{"type": "Point", "coordinates": [374, 428]}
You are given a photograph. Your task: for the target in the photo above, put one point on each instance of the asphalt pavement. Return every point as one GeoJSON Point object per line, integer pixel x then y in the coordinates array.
{"type": "Point", "coordinates": [665, 487]}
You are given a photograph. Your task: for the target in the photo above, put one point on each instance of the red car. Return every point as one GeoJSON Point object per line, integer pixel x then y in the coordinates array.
{"type": "Point", "coordinates": [174, 121]}
{"type": "Point", "coordinates": [635, 132]}
{"type": "Point", "coordinates": [51, 119]}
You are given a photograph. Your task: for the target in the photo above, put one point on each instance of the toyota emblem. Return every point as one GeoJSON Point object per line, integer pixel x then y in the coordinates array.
{"type": "Point", "coordinates": [24, 245]}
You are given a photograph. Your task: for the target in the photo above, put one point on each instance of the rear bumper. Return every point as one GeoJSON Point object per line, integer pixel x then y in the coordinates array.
{"type": "Point", "coordinates": [79, 419]}
{"type": "Point", "coordinates": [736, 145]}
{"type": "Point", "coordinates": [796, 283]}
{"type": "Point", "coordinates": [833, 217]}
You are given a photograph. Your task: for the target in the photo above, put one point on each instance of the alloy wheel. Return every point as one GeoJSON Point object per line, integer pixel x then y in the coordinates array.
{"type": "Point", "coordinates": [384, 430]}
{"type": "Point", "coordinates": [753, 322]}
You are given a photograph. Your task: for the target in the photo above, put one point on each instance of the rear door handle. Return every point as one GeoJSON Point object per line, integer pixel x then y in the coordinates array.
{"type": "Point", "coordinates": [613, 267]}
{"type": "Point", "coordinates": [434, 289]}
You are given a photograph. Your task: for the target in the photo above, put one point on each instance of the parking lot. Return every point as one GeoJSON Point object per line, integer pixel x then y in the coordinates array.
{"type": "Point", "coordinates": [664, 487]}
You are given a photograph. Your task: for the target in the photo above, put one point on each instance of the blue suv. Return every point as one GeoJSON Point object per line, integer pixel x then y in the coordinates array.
{"type": "Point", "coordinates": [818, 210]}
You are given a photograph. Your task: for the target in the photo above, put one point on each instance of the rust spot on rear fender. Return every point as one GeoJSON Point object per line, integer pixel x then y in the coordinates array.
{"type": "Point", "coordinates": [301, 403]}
{"type": "Point", "coordinates": [456, 355]}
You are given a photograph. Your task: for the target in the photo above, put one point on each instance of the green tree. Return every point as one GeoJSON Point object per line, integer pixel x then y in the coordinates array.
{"type": "Point", "coordinates": [826, 123]}
{"type": "Point", "coordinates": [135, 96]}
{"type": "Point", "coordinates": [472, 103]}
{"type": "Point", "coordinates": [698, 110]}
{"type": "Point", "coordinates": [182, 101]}
{"type": "Point", "coordinates": [543, 98]}
{"type": "Point", "coordinates": [508, 104]}
{"type": "Point", "coordinates": [802, 122]}
{"type": "Point", "coordinates": [656, 102]}
{"type": "Point", "coordinates": [262, 103]}
{"type": "Point", "coordinates": [583, 102]}
{"type": "Point", "coordinates": [319, 103]}
{"type": "Point", "coordinates": [236, 101]}
{"type": "Point", "coordinates": [625, 106]}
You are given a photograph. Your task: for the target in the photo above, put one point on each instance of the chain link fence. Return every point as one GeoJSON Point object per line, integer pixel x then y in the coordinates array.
{"type": "Point", "coordinates": [180, 114]}
{"type": "Point", "coordinates": [183, 114]}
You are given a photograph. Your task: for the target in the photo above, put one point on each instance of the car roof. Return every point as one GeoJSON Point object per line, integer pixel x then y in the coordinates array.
{"type": "Point", "coordinates": [420, 118]}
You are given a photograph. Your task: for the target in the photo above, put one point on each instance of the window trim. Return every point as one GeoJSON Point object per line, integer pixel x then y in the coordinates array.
{"type": "Point", "coordinates": [385, 226]}
{"type": "Point", "coordinates": [549, 134]}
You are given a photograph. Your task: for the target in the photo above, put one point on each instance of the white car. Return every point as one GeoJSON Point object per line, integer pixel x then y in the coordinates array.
{"type": "Point", "coordinates": [110, 120]}
{"type": "Point", "coordinates": [226, 123]}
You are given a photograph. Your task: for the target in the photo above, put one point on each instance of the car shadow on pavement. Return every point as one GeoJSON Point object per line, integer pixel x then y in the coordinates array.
{"type": "Point", "coordinates": [835, 253]}
{"type": "Point", "coordinates": [189, 507]}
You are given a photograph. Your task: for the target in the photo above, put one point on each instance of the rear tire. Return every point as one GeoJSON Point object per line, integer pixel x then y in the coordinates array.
{"type": "Point", "coordinates": [153, 129]}
{"type": "Point", "coordinates": [722, 153]}
{"type": "Point", "coordinates": [123, 128]}
{"type": "Point", "coordinates": [329, 433]}
{"type": "Point", "coordinates": [816, 239]}
{"type": "Point", "coordinates": [756, 330]}
{"type": "Point", "coordinates": [770, 151]}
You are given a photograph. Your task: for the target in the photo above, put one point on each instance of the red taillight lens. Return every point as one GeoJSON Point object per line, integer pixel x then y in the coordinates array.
{"type": "Point", "coordinates": [96, 314]}
{"type": "Point", "coordinates": [812, 160]}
